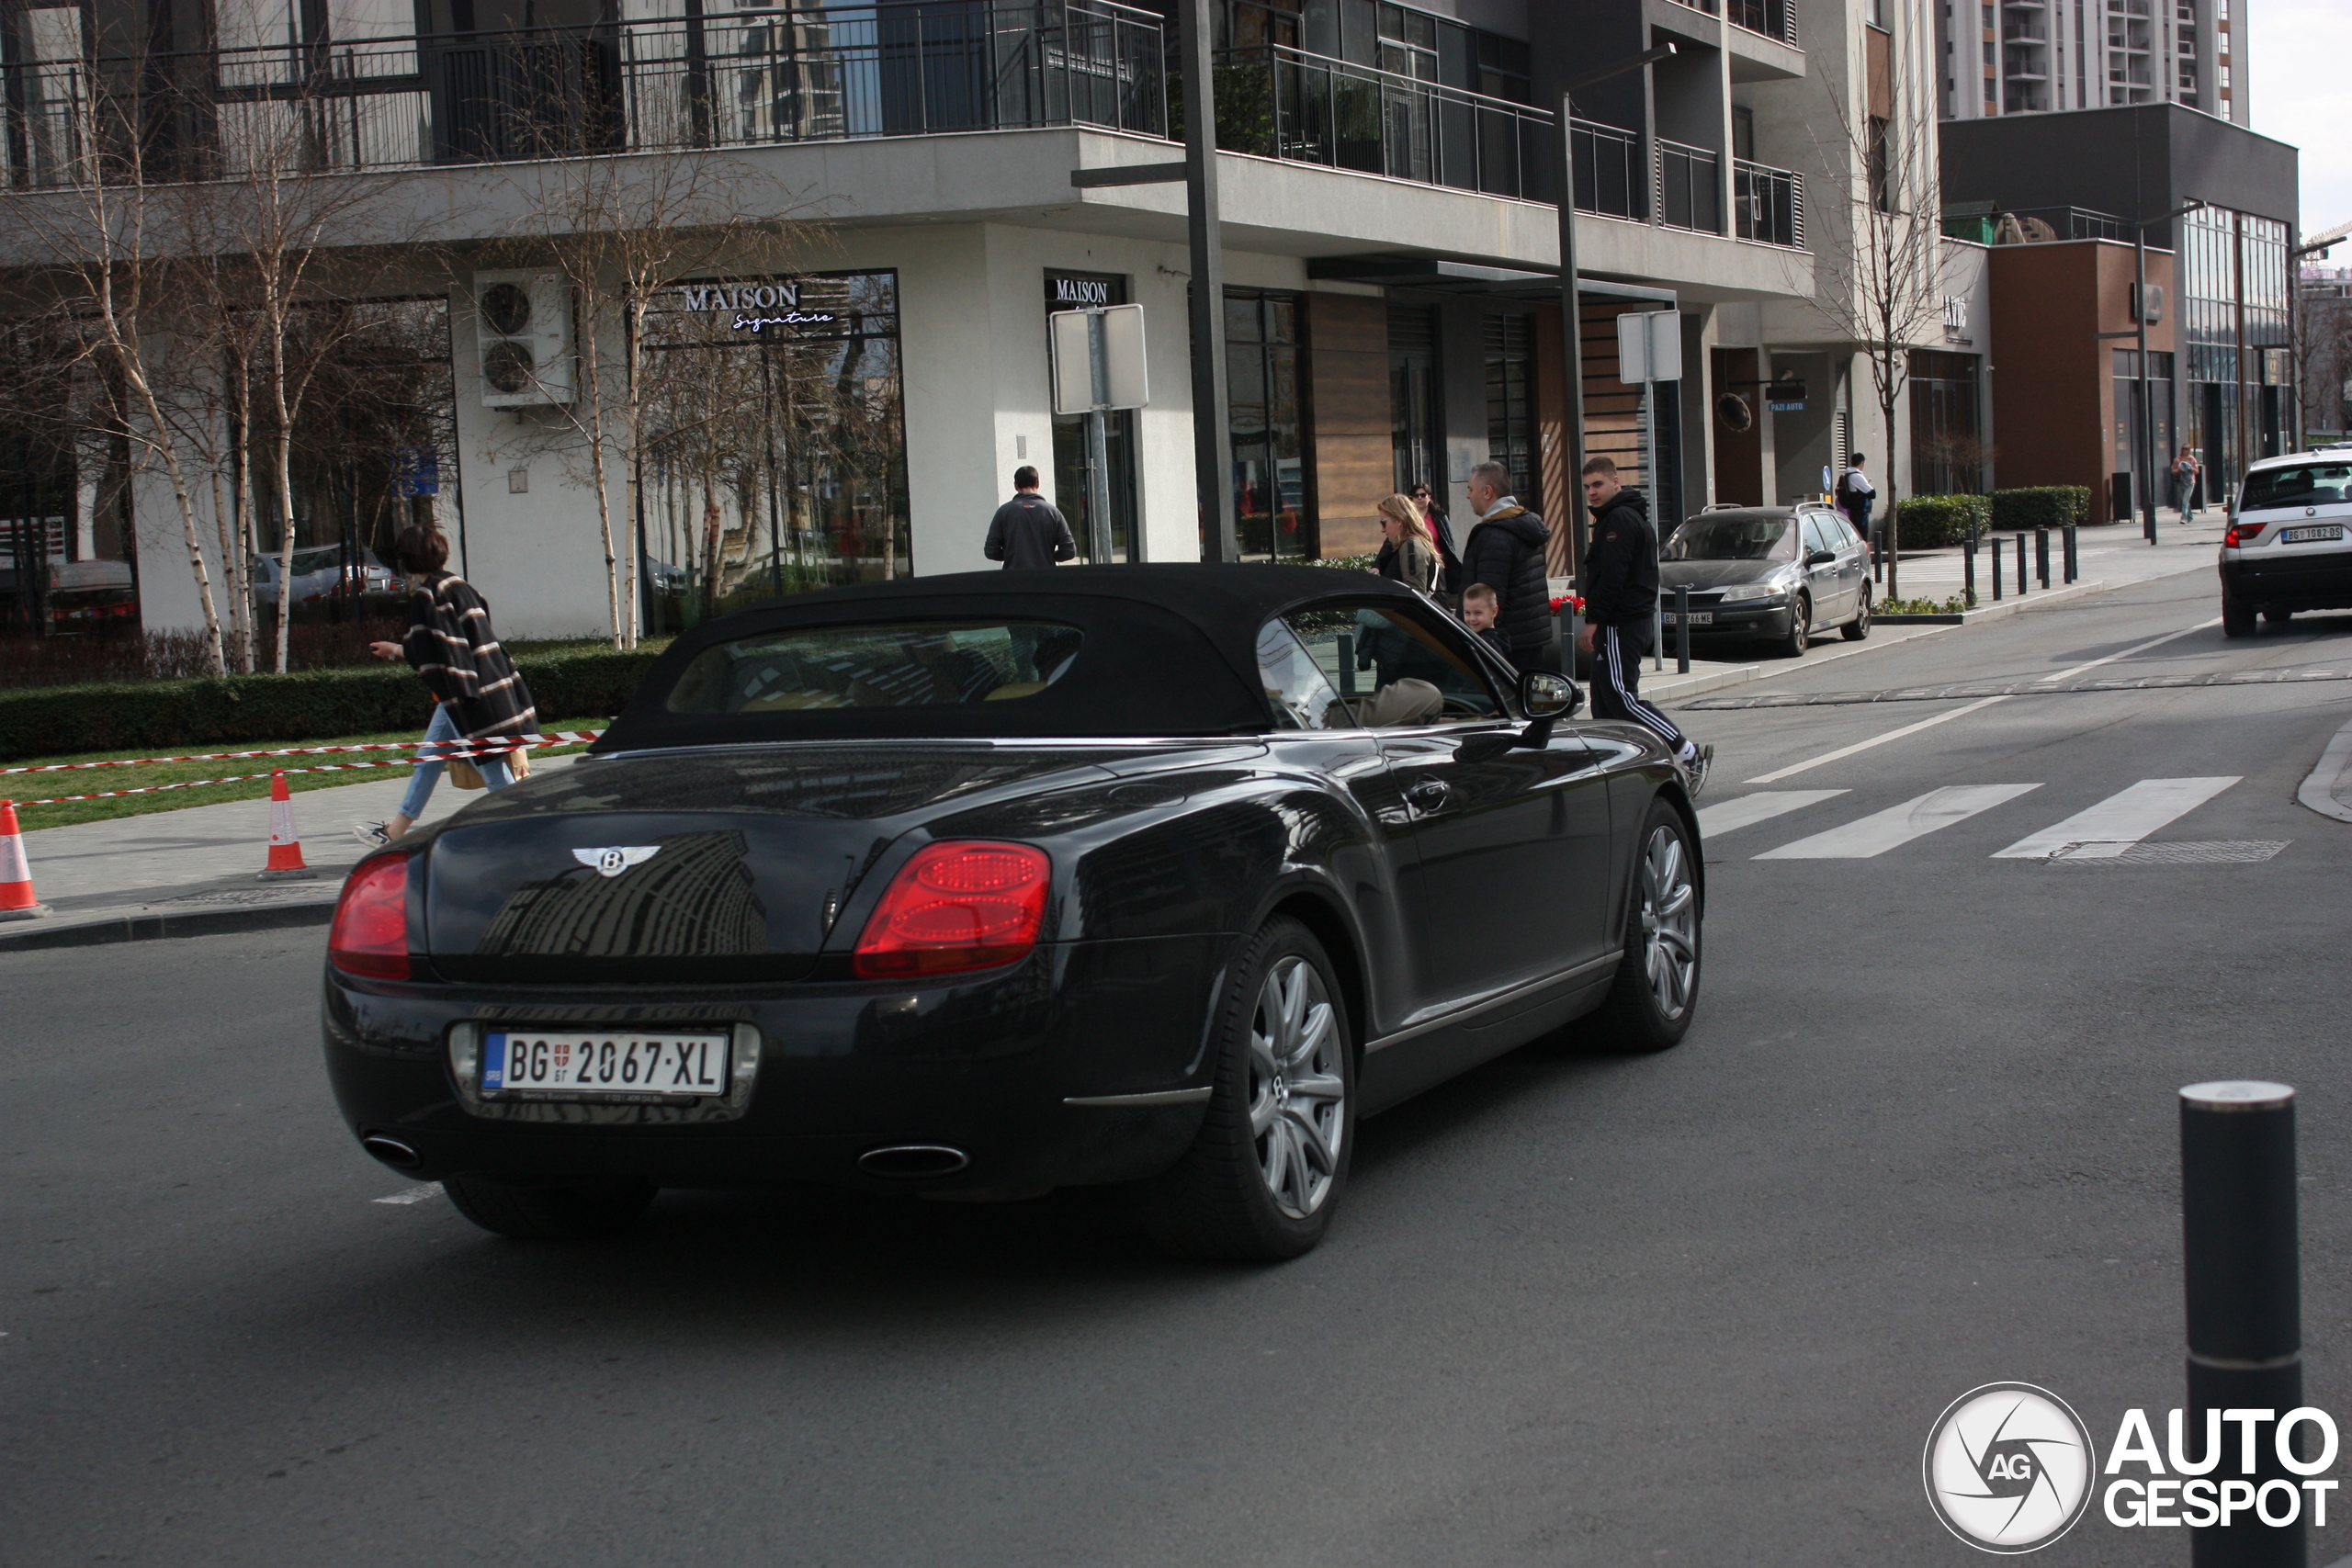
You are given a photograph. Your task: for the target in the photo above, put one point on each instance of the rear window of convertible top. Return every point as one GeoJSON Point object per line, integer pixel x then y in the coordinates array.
{"type": "Point", "coordinates": [900, 665]}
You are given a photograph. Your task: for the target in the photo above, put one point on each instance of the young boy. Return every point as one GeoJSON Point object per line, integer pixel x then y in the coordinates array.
{"type": "Point", "coordinates": [1478, 605]}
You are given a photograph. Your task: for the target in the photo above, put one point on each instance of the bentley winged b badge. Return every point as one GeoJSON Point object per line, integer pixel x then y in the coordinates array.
{"type": "Point", "coordinates": [615, 859]}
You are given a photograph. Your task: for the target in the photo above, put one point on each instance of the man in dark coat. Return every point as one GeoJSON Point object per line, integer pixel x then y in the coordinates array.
{"type": "Point", "coordinates": [1620, 586]}
{"type": "Point", "coordinates": [1505, 551]}
{"type": "Point", "coordinates": [1028, 530]}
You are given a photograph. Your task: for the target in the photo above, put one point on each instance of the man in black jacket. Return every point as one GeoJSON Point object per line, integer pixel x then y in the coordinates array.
{"type": "Point", "coordinates": [1505, 551]}
{"type": "Point", "coordinates": [1620, 586]}
{"type": "Point", "coordinates": [1028, 530]}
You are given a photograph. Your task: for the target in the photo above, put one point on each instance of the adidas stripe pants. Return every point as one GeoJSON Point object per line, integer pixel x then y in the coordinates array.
{"type": "Point", "coordinates": [1616, 683]}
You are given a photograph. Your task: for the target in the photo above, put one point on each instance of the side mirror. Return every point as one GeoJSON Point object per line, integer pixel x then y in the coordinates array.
{"type": "Point", "coordinates": [1546, 696]}
{"type": "Point", "coordinates": [1820, 558]}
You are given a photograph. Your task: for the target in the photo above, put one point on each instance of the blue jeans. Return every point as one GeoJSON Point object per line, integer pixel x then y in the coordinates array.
{"type": "Point", "coordinates": [494, 771]}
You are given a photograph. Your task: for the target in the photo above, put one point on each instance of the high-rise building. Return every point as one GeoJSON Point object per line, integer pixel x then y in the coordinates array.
{"type": "Point", "coordinates": [2033, 56]}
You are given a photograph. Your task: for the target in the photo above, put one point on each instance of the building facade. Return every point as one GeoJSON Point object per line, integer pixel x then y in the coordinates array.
{"type": "Point", "coordinates": [2049, 56]}
{"type": "Point", "coordinates": [843, 396]}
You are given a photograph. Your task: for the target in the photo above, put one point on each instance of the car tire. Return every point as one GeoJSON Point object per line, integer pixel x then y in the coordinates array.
{"type": "Point", "coordinates": [1800, 633]}
{"type": "Point", "coordinates": [1267, 1168]}
{"type": "Point", "coordinates": [1860, 626]}
{"type": "Point", "coordinates": [549, 1214]}
{"type": "Point", "coordinates": [1651, 1002]}
{"type": "Point", "coordinates": [2277, 617]}
{"type": "Point", "coordinates": [2238, 617]}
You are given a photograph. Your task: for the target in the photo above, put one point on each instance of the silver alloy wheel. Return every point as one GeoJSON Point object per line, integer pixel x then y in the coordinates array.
{"type": "Point", "coordinates": [1669, 916]}
{"type": "Point", "coordinates": [1298, 1091]}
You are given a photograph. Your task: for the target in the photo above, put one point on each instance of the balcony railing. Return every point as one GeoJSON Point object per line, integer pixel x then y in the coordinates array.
{"type": "Point", "coordinates": [1768, 205]}
{"type": "Point", "coordinates": [1689, 187]}
{"type": "Point", "coordinates": [1609, 171]}
{"type": "Point", "coordinates": [1776, 20]}
{"type": "Point", "coordinates": [742, 79]}
{"type": "Point", "coordinates": [1278, 102]}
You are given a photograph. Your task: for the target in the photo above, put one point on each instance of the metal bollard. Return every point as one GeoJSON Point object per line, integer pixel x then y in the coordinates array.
{"type": "Point", "coordinates": [2041, 557]}
{"type": "Point", "coordinates": [1996, 542]}
{"type": "Point", "coordinates": [2074, 553]}
{"type": "Point", "coordinates": [2022, 579]}
{"type": "Point", "coordinates": [1571, 629]}
{"type": "Point", "coordinates": [1682, 624]}
{"type": "Point", "coordinates": [1968, 571]}
{"type": "Point", "coordinates": [2239, 1260]}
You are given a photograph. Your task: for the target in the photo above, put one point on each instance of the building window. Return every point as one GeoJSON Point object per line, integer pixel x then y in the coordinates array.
{"type": "Point", "coordinates": [1511, 397]}
{"type": "Point", "coordinates": [1415, 420]}
{"type": "Point", "coordinates": [1947, 450]}
{"type": "Point", "coordinates": [1261, 359]}
{"type": "Point", "coordinates": [776, 458]}
{"type": "Point", "coordinates": [1882, 164]}
{"type": "Point", "coordinates": [1073, 492]}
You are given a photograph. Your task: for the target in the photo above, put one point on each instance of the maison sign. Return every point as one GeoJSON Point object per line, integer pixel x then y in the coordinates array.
{"type": "Point", "coordinates": [755, 304]}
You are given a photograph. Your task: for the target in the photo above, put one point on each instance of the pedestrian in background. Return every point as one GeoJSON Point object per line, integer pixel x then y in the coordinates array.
{"type": "Point", "coordinates": [1028, 530]}
{"type": "Point", "coordinates": [1505, 551]}
{"type": "Point", "coordinates": [478, 694]}
{"type": "Point", "coordinates": [1855, 494]}
{"type": "Point", "coordinates": [1478, 615]}
{"type": "Point", "coordinates": [1442, 531]}
{"type": "Point", "coordinates": [1619, 585]}
{"type": "Point", "coordinates": [2182, 476]}
{"type": "Point", "coordinates": [2195, 493]}
{"type": "Point", "coordinates": [1407, 553]}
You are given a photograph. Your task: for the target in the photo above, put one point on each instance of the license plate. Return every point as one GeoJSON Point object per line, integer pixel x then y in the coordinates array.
{"type": "Point", "coordinates": [668, 1066]}
{"type": "Point", "coordinates": [2306, 536]}
{"type": "Point", "coordinates": [1697, 618]}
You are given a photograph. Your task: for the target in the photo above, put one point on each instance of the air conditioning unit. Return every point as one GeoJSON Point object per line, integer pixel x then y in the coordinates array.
{"type": "Point", "coordinates": [522, 338]}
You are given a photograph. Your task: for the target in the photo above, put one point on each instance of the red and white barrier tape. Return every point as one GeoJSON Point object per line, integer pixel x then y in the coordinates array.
{"type": "Point", "coordinates": [446, 751]}
{"type": "Point", "coordinates": [554, 738]}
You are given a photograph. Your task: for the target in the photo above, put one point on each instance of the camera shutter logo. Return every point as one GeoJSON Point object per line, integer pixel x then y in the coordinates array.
{"type": "Point", "coordinates": [2008, 1468]}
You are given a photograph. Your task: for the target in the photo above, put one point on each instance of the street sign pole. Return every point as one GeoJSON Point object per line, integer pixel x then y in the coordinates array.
{"type": "Point", "coordinates": [1098, 456]}
{"type": "Point", "coordinates": [1211, 435]}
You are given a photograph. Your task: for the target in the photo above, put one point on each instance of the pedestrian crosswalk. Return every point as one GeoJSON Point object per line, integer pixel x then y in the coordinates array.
{"type": "Point", "coordinates": [2113, 829]}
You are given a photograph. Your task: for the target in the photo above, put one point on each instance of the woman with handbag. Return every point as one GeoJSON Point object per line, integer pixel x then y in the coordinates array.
{"type": "Point", "coordinates": [478, 692]}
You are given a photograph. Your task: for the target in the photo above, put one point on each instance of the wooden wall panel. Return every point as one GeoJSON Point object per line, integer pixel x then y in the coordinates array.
{"type": "Point", "coordinates": [1612, 423]}
{"type": "Point", "coordinates": [1350, 458]}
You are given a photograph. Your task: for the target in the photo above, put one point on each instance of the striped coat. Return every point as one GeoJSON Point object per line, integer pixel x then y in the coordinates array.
{"type": "Point", "coordinates": [450, 644]}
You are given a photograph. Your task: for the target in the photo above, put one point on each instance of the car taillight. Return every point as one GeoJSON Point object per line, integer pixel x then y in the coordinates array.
{"type": "Point", "coordinates": [2241, 533]}
{"type": "Point", "coordinates": [370, 932]}
{"type": "Point", "coordinates": [958, 905]}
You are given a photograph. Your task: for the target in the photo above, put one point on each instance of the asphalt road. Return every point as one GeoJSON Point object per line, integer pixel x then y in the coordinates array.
{"type": "Point", "coordinates": [1695, 1308]}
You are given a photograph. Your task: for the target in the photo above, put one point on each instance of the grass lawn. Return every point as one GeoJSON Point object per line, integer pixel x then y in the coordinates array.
{"type": "Point", "coordinates": [22, 787]}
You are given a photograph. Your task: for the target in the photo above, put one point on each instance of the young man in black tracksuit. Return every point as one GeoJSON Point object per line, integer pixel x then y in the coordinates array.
{"type": "Point", "coordinates": [1620, 587]}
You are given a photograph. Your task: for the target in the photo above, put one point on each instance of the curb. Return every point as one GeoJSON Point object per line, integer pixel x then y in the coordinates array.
{"type": "Point", "coordinates": [2334, 768]}
{"type": "Point", "coordinates": [1995, 612]}
{"type": "Point", "coordinates": [145, 923]}
{"type": "Point", "coordinates": [1666, 687]}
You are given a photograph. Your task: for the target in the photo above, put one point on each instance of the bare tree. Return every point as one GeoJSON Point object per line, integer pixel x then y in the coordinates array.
{"type": "Point", "coordinates": [1880, 283]}
{"type": "Point", "coordinates": [622, 232]}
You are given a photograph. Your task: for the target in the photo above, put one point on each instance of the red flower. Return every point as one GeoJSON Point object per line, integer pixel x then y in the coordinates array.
{"type": "Point", "coordinates": [1567, 601]}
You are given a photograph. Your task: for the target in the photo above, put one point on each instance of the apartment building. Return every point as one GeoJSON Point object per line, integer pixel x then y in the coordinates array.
{"type": "Point", "coordinates": [2043, 56]}
{"type": "Point", "coordinates": [845, 401]}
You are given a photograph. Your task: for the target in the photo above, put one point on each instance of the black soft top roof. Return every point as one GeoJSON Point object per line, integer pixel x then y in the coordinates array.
{"type": "Point", "coordinates": [1168, 650]}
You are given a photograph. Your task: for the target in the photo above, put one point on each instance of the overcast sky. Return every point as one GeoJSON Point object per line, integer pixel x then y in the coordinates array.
{"type": "Point", "coordinates": [2301, 59]}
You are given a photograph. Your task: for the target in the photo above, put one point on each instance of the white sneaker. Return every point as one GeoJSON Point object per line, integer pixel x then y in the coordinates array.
{"type": "Point", "coordinates": [1697, 767]}
{"type": "Point", "coordinates": [371, 835]}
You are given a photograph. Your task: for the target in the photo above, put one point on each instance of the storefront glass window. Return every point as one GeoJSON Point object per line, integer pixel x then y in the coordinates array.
{"type": "Point", "coordinates": [1071, 491]}
{"type": "Point", "coordinates": [1268, 469]}
{"type": "Point", "coordinates": [776, 450]}
{"type": "Point", "coordinates": [1511, 397]}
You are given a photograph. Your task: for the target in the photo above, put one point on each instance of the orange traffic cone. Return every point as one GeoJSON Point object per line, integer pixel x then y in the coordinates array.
{"type": "Point", "coordinates": [285, 843]}
{"type": "Point", "coordinates": [17, 901]}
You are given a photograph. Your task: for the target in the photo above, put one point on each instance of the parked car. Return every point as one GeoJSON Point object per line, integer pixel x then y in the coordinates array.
{"type": "Point", "coordinates": [1776, 573]}
{"type": "Point", "coordinates": [977, 885]}
{"type": "Point", "coordinates": [2285, 548]}
{"type": "Point", "coordinates": [318, 569]}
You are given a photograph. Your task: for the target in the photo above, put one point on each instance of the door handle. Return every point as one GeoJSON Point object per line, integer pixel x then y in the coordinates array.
{"type": "Point", "coordinates": [1428, 794]}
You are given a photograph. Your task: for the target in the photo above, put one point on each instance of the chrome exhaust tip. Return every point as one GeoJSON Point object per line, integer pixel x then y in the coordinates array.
{"type": "Point", "coordinates": [905, 1161]}
{"type": "Point", "coordinates": [392, 1151]}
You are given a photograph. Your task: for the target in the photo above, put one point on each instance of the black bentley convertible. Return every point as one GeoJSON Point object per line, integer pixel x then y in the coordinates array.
{"type": "Point", "coordinates": [978, 885]}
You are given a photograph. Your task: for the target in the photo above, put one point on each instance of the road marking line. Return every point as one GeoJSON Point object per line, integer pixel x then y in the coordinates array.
{"type": "Point", "coordinates": [2122, 819]}
{"type": "Point", "coordinates": [413, 1194]}
{"type": "Point", "coordinates": [1729, 815]}
{"type": "Point", "coordinates": [1883, 830]}
{"type": "Point", "coordinates": [2128, 652]}
{"type": "Point", "coordinates": [1844, 752]}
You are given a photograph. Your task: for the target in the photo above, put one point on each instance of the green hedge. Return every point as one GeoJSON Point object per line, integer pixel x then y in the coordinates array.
{"type": "Point", "coordinates": [163, 716]}
{"type": "Point", "coordinates": [2040, 506]}
{"type": "Point", "coordinates": [1931, 522]}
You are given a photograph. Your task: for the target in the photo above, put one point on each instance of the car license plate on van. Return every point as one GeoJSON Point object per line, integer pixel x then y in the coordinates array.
{"type": "Point", "coordinates": [2307, 536]}
{"type": "Point", "coordinates": [672, 1067]}
{"type": "Point", "coordinates": [1697, 618]}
